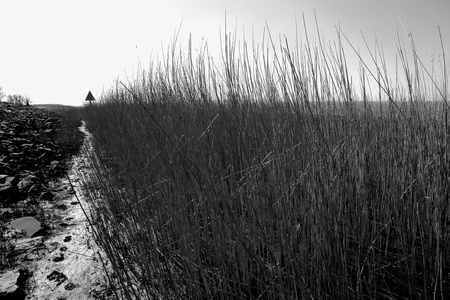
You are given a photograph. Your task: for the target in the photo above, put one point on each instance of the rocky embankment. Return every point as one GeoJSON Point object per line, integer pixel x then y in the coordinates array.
{"type": "Point", "coordinates": [42, 224]}
{"type": "Point", "coordinates": [34, 150]}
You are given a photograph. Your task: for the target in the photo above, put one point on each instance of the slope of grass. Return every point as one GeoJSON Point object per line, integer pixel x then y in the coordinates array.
{"type": "Point", "coordinates": [270, 178]}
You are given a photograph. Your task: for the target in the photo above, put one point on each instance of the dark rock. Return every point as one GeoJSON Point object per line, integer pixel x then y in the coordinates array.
{"type": "Point", "coordinates": [27, 183]}
{"type": "Point", "coordinates": [67, 238]}
{"type": "Point", "coordinates": [57, 276]}
{"type": "Point", "coordinates": [5, 168]}
{"type": "Point", "coordinates": [6, 159]}
{"type": "Point", "coordinates": [3, 178]}
{"type": "Point", "coordinates": [47, 195]}
{"type": "Point", "coordinates": [56, 168]}
{"type": "Point", "coordinates": [40, 232]}
{"type": "Point", "coordinates": [24, 275]}
{"type": "Point", "coordinates": [36, 189]}
{"type": "Point", "coordinates": [9, 180]}
{"type": "Point", "coordinates": [59, 258]}
{"type": "Point", "coordinates": [9, 193]}
{"type": "Point", "coordinates": [6, 213]}
{"type": "Point", "coordinates": [69, 286]}
{"type": "Point", "coordinates": [8, 189]}
{"type": "Point", "coordinates": [61, 206]}
{"type": "Point", "coordinates": [9, 288]}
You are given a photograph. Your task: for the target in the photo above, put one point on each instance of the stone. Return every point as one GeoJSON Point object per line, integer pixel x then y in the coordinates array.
{"type": "Point", "coordinates": [9, 193]}
{"type": "Point", "coordinates": [26, 183]}
{"type": "Point", "coordinates": [70, 286]}
{"type": "Point", "coordinates": [46, 196]}
{"type": "Point", "coordinates": [9, 180]}
{"type": "Point", "coordinates": [6, 212]}
{"type": "Point", "coordinates": [9, 289]}
{"type": "Point", "coordinates": [3, 178]}
{"type": "Point", "coordinates": [29, 224]}
{"type": "Point", "coordinates": [59, 258]}
{"type": "Point", "coordinates": [57, 276]}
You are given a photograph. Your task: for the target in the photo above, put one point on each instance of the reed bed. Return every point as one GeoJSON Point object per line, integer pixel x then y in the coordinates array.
{"type": "Point", "coordinates": [270, 175]}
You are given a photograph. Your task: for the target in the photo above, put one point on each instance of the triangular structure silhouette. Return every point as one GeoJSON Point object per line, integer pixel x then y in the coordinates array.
{"type": "Point", "coordinates": [89, 97]}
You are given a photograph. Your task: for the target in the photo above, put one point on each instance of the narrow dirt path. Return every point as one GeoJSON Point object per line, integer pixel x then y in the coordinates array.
{"type": "Point", "coordinates": [65, 264]}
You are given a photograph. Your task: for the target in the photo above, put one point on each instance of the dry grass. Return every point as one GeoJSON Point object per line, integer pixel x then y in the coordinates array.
{"type": "Point", "coordinates": [268, 177]}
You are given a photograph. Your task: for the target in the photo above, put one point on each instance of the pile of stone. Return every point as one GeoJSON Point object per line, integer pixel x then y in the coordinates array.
{"type": "Point", "coordinates": [34, 151]}
{"type": "Point", "coordinates": [35, 148]}
{"type": "Point", "coordinates": [29, 156]}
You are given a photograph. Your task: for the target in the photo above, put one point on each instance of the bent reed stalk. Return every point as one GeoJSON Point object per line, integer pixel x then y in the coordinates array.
{"type": "Point", "coordinates": [269, 176]}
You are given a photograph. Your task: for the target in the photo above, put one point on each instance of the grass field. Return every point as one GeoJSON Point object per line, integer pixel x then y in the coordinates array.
{"type": "Point", "coordinates": [267, 175]}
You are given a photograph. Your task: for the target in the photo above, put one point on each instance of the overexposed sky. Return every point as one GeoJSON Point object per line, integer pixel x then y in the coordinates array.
{"type": "Point", "coordinates": [55, 51]}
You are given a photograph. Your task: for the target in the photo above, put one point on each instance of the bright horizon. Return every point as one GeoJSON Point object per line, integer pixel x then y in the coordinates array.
{"type": "Point", "coordinates": [55, 51]}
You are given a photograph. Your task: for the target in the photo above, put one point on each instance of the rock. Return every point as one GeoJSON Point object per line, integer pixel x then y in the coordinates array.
{"type": "Point", "coordinates": [16, 155]}
{"type": "Point", "coordinates": [27, 145]}
{"type": "Point", "coordinates": [6, 213]}
{"type": "Point", "coordinates": [27, 244]}
{"type": "Point", "coordinates": [9, 288]}
{"type": "Point", "coordinates": [57, 276]}
{"type": "Point", "coordinates": [26, 183]}
{"type": "Point", "coordinates": [5, 168]}
{"type": "Point", "coordinates": [3, 178]}
{"type": "Point", "coordinates": [70, 286]}
{"type": "Point", "coordinates": [8, 188]}
{"type": "Point", "coordinates": [56, 167]}
{"type": "Point", "coordinates": [61, 206]}
{"type": "Point", "coordinates": [47, 196]}
{"type": "Point", "coordinates": [9, 193]}
{"type": "Point", "coordinates": [9, 180]}
{"type": "Point", "coordinates": [59, 258]}
{"type": "Point", "coordinates": [29, 224]}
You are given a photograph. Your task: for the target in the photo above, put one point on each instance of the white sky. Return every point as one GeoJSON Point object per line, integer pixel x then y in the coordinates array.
{"type": "Point", "coordinates": [55, 51]}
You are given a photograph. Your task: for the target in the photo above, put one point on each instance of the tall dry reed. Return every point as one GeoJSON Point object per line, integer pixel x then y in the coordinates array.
{"type": "Point", "coordinates": [267, 175]}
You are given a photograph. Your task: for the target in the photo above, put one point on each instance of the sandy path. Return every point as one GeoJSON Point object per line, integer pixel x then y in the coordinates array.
{"type": "Point", "coordinates": [70, 267]}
